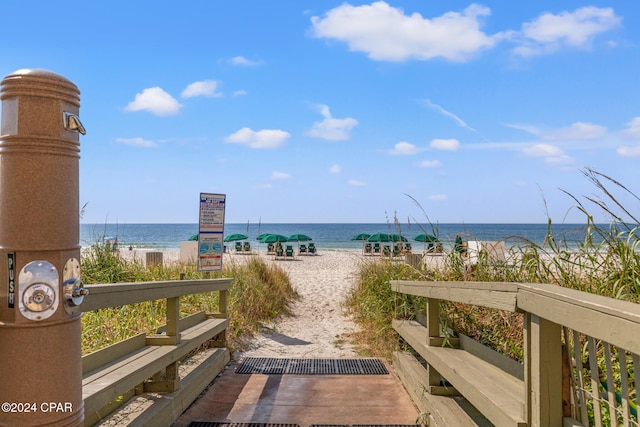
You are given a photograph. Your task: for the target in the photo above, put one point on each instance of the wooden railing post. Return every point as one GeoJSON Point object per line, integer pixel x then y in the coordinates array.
{"type": "Point", "coordinates": [172, 331]}
{"type": "Point", "coordinates": [433, 321]}
{"type": "Point", "coordinates": [434, 378]}
{"type": "Point", "coordinates": [223, 301]}
{"type": "Point", "coordinates": [433, 331]}
{"type": "Point", "coordinates": [543, 372]}
{"type": "Point", "coordinates": [173, 315]}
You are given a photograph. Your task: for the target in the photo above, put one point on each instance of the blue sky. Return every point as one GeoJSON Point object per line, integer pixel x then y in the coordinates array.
{"type": "Point", "coordinates": [331, 111]}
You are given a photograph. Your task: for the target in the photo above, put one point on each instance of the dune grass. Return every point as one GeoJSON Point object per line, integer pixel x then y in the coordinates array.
{"type": "Point", "coordinates": [606, 262]}
{"type": "Point", "coordinates": [258, 293]}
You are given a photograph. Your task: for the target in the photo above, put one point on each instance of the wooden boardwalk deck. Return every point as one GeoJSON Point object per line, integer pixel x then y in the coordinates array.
{"type": "Point", "coordinates": [303, 400]}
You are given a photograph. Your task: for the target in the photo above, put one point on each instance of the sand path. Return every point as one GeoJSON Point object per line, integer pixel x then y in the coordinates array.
{"type": "Point", "coordinates": [318, 327]}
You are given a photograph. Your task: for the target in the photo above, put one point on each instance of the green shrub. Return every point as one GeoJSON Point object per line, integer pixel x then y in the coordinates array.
{"type": "Point", "coordinates": [258, 293]}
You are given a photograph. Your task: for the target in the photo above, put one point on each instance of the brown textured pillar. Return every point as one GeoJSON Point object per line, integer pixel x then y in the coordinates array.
{"type": "Point", "coordinates": [40, 353]}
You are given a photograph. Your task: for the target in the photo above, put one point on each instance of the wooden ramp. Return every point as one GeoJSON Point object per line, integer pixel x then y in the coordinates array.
{"type": "Point", "coordinates": [305, 400]}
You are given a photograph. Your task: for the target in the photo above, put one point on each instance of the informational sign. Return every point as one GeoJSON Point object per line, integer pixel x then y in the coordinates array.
{"type": "Point", "coordinates": [211, 231]}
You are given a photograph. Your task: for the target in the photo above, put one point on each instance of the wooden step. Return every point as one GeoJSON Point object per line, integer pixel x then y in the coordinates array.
{"type": "Point", "coordinates": [495, 393]}
{"type": "Point", "coordinates": [106, 383]}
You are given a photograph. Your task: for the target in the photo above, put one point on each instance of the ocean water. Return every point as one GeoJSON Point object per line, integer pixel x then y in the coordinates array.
{"type": "Point", "coordinates": [330, 236]}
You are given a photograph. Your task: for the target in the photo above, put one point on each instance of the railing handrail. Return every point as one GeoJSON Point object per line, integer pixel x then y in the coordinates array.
{"type": "Point", "coordinates": [498, 295]}
{"type": "Point", "coordinates": [547, 309]}
{"type": "Point", "coordinates": [118, 294]}
{"type": "Point", "coordinates": [598, 316]}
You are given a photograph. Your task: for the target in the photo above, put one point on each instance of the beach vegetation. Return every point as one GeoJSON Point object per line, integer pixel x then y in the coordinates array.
{"type": "Point", "coordinates": [605, 260]}
{"type": "Point", "coordinates": [373, 305]}
{"type": "Point", "coordinates": [259, 293]}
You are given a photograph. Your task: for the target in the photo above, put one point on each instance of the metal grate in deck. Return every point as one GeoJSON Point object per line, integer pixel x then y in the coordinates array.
{"type": "Point", "coordinates": [271, 366]}
{"type": "Point", "coordinates": [217, 424]}
{"type": "Point", "coordinates": [226, 424]}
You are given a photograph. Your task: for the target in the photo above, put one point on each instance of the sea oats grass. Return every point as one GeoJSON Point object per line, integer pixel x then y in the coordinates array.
{"type": "Point", "coordinates": [259, 293]}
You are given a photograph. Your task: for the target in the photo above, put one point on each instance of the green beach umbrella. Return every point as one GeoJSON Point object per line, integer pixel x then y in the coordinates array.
{"type": "Point", "coordinates": [262, 236]}
{"type": "Point", "coordinates": [425, 238]}
{"type": "Point", "coordinates": [379, 237]}
{"type": "Point", "coordinates": [299, 238]}
{"type": "Point", "coordinates": [193, 238]}
{"type": "Point", "coordinates": [361, 236]}
{"type": "Point", "coordinates": [273, 238]}
{"type": "Point", "coordinates": [397, 238]}
{"type": "Point", "coordinates": [234, 237]}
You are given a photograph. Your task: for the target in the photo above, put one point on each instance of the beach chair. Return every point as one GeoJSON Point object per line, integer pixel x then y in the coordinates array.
{"type": "Point", "coordinates": [397, 250]}
{"type": "Point", "coordinates": [247, 247]}
{"type": "Point", "coordinates": [368, 249]}
{"type": "Point", "coordinates": [376, 248]}
{"type": "Point", "coordinates": [460, 247]}
{"type": "Point", "coordinates": [279, 252]}
{"type": "Point", "coordinates": [288, 253]}
{"type": "Point", "coordinates": [386, 250]}
{"type": "Point", "coordinates": [238, 247]}
{"type": "Point", "coordinates": [302, 250]}
{"type": "Point", "coordinates": [408, 248]}
{"type": "Point", "coordinates": [271, 248]}
{"type": "Point", "coordinates": [312, 249]}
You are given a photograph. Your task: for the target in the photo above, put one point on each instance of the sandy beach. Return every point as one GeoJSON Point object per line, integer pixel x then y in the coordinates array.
{"type": "Point", "coordinates": [318, 327]}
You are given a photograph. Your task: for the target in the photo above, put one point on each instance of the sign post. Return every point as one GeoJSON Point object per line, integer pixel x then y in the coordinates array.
{"type": "Point", "coordinates": [211, 231]}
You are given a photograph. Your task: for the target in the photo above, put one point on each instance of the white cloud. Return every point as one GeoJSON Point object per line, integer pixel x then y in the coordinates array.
{"type": "Point", "coordinates": [633, 129]}
{"type": "Point", "coordinates": [331, 128]}
{"type": "Point", "coordinates": [156, 101]}
{"type": "Point", "coordinates": [266, 138]}
{"type": "Point", "coordinates": [438, 197]}
{"type": "Point", "coordinates": [626, 151]}
{"type": "Point", "coordinates": [576, 131]}
{"type": "Point", "coordinates": [386, 33]}
{"type": "Point", "coordinates": [203, 88]}
{"type": "Point", "coordinates": [552, 155]}
{"type": "Point", "coordinates": [449, 114]}
{"type": "Point", "coordinates": [542, 150]}
{"type": "Point", "coordinates": [240, 92]}
{"type": "Point", "coordinates": [244, 62]}
{"type": "Point", "coordinates": [278, 176]}
{"type": "Point", "coordinates": [562, 160]}
{"type": "Point", "coordinates": [404, 149]}
{"type": "Point", "coordinates": [549, 33]}
{"type": "Point", "coordinates": [526, 128]}
{"type": "Point", "coordinates": [430, 164]}
{"type": "Point", "coordinates": [355, 183]}
{"type": "Point", "coordinates": [445, 144]}
{"type": "Point", "coordinates": [335, 169]}
{"type": "Point", "coordinates": [137, 142]}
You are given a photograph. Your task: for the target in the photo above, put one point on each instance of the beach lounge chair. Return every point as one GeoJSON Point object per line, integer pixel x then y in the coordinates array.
{"type": "Point", "coordinates": [312, 249]}
{"type": "Point", "coordinates": [271, 248]}
{"type": "Point", "coordinates": [397, 250]}
{"type": "Point", "coordinates": [386, 250]}
{"type": "Point", "coordinates": [238, 247]}
{"type": "Point", "coordinates": [408, 248]}
{"type": "Point", "coordinates": [368, 249]}
{"type": "Point", "coordinates": [376, 248]}
{"type": "Point", "coordinates": [459, 246]}
{"type": "Point", "coordinates": [279, 252]}
{"type": "Point", "coordinates": [246, 247]}
{"type": "Point", "coordinates": [302, 250]}
{"type": "Point", "coordinates": [288, 253]}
